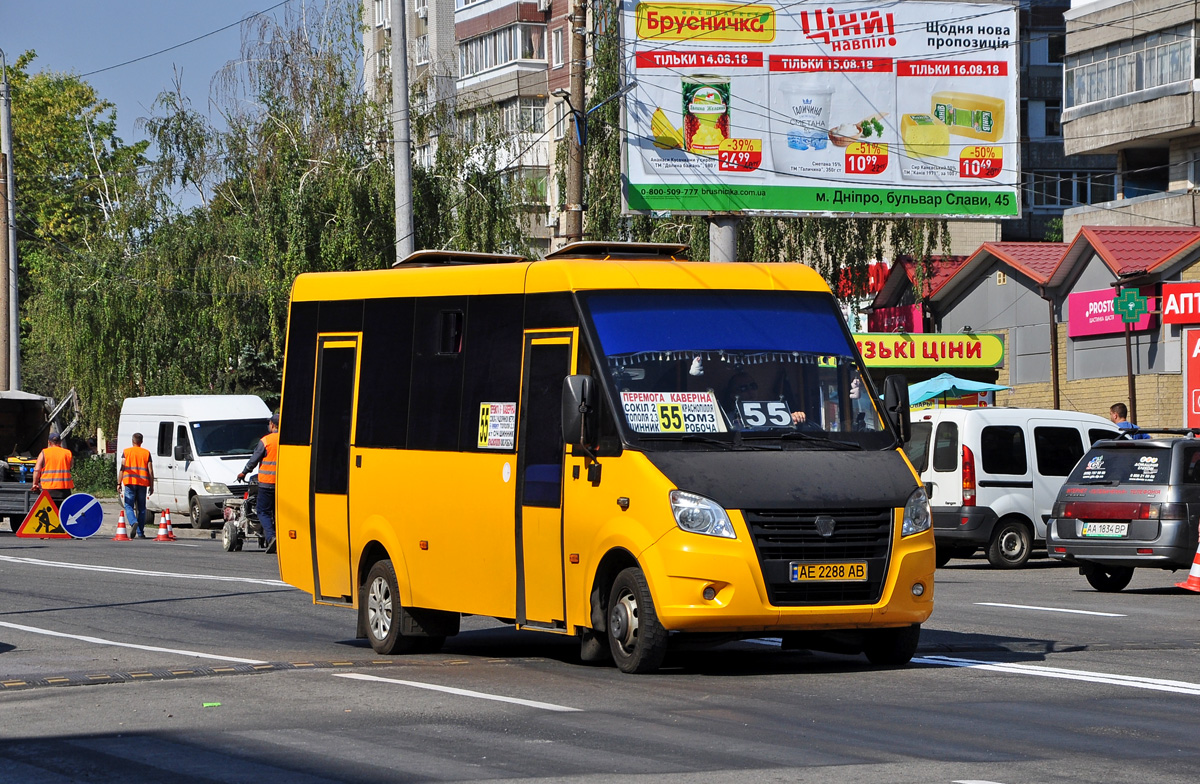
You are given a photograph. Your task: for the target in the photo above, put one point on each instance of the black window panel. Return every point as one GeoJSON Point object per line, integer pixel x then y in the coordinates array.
{"type": "Point", "coordinates": [181, 438]}
{"type": "Point", "coordinates": [917, 447]}
{"type": "Point", "coordinates": [1191, 465]}
{"type": "Point", "coordinates": [546, 311]}
{"type": "Point", "coordinates": [335, 398]}
{"type": "Point", "coordinates": [1100, 434]}
{"type": "Point", "coordinates": [492, 343]}
{"type": "Point", "coordinates": [543, 446]}
{"type": "Point", "coordinates": [166, 432]}
{"type": "Point", "coordinates": [945, 447]}
{"type": "Point", "coordinates": [295, 417]}
{"type": "Point", "coordinates": [434, 410]}
{"type": "Point", "coordinates": [452, 331]}
{"type": "Point", "coordinates": [341, 316]}
{"type": "Point", "coordinates": [385, 370]}
{"type": "Point", "coordinates": [1058, 449]}
{"type": "Point", "coordinates": [1003, 448]}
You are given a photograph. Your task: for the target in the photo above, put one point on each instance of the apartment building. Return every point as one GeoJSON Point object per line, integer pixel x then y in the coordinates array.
{"type": "Point", "coordinates": [1129, 89]}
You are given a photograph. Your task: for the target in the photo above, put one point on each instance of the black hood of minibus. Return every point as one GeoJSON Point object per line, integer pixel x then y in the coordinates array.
{"type": "Point", "coordinates": [805, 479]}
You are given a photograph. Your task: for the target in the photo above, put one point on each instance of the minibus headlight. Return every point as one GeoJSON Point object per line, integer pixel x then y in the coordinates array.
{"type": "Point", "coordinates": [216, 488]}
{"type": "Point", "coordinates": [917, 514]}
{"type": "Point", "coordinates": [699, 515]}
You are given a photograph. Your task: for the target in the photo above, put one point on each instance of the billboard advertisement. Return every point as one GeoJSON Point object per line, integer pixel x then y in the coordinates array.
{"type": "Point", "coordinates": [830, 108]}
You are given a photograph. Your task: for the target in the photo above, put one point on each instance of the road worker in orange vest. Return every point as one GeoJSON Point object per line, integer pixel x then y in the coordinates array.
{"type": "Point", "coordinates": [135, 482]}
{"type": "Point", "coordinates": [52, 472]}
{"type": "Point", "coordinates": [265, 458]}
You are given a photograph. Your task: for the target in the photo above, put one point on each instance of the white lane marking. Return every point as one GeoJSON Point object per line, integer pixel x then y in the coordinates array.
{"type": "Point", "coordinates": [140, 572]}
{"type": "Point", "coordinates": [774, 642]}
{"type": "Point", "coordinates": [1112, 679]}
{"type": "Point", "coordinates": [974, 781]}
{"type": "Point", "coordinates": [102, 641]}
{"type": "Point", "coordinates": [460, 692]}
{"type": "Point", "coordinates": [1049, 609]}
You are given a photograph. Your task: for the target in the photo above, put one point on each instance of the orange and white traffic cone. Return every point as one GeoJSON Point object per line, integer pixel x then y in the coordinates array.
{"type": "Point", "coordinates": [122, 531]}
{"type": "Point", "coordinates": [1192, 583]}
{"type": "Point", "coordinates": [170, 530]}
{"type": "Point", "coordinates": [164, 533]}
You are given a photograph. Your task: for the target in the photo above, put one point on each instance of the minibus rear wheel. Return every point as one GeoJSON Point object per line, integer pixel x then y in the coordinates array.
{"type": "Point", "coordinates": [637, 640]}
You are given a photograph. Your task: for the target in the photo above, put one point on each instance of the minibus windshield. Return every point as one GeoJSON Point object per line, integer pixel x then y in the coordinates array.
{"type": "Point", "coordinates": [742, 366]}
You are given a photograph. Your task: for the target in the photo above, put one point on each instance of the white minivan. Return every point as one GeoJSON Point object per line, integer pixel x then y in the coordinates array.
{"type": "Point", "coordinates": [198, 444]}
{"type": "Point", "coordinates": [992, 474]}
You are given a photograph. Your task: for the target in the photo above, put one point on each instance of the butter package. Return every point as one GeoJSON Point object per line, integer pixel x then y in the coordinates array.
{"type": "Point", "coordinates": [924, 136]}
{"type": "Point", "coordinates": [967, 114]}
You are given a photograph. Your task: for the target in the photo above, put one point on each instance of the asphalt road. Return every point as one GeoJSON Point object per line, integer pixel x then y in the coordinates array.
{"type": "Point", "coordinates": [155, 661]}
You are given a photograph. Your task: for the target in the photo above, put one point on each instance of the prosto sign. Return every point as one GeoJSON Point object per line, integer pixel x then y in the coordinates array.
{"type": "Point", "coordinates": [882, 349]}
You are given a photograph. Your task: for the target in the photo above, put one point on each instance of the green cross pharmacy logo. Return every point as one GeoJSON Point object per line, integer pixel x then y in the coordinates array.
{"type": "Point", "coordinates": [1131, 305]}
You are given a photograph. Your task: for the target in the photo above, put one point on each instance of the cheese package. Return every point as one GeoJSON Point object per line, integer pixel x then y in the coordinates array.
{"type": "Point", "coordinates": [924, 136]}
{"type": "Point", "coordinates": [968, 114]}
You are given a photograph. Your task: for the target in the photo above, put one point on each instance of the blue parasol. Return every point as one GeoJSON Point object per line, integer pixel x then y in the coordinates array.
{"type": "Point", "coordinates": [946, 385]}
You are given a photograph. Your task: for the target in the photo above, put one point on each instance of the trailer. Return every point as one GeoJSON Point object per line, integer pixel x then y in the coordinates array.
{"type": "Point", "coordinates": [26, 420]}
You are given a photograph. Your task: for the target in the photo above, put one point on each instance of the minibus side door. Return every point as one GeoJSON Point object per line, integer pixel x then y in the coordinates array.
{"type": "Point", "coordinates": [329, 501]}
{"type": "Point", "coordinates": [539, 521]}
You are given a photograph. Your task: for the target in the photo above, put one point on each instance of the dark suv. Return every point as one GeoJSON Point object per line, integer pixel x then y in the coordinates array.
{"type": "Point", "coordinates": [1129, 503]}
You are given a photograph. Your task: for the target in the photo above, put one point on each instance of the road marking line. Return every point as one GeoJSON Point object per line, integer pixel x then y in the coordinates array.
{"type": "Point", "coordinates": [1112, 679]}
{"type": "Point", "coordinates": [460, 692]}
{"type": "Point", "coordinates": [974, 781]}
{"type": "Point", "coordinates": [102, 641]}
{"type": "Point", "coordinates": [1049, 609]}
{"type": "Point", "coordinates": [141, 572]}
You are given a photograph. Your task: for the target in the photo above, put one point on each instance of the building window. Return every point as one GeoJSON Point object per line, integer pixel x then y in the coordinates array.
{"type": "Point", "coordinates": [381, 13]}
{"type": "Point", "coordinates": [524, 115]}
{"type": "Point", "coordinates": [557, 52]}
{"type": "Point", "coordinates": [1130, 66]}
{"type": "Point", "coordinates": [1053, 117]}
{"type": "Point", "coordinates": [421, 49]}
{"type": "Point", "coordinates": [560, 119]}
{"type": "Point", "coordinates": [1057, 190]}
{"type": "Point", "coordinates": [521, 41]}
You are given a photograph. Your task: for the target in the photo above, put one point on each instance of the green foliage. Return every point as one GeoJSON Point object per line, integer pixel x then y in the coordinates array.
{"type": "Point", "coordinates": [1054, 230]}
{"type": "Point", "coordinates": [95, 475]}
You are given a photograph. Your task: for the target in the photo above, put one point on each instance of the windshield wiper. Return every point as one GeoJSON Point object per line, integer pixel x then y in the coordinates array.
{"type": "Point", "coordinates": [732, 446]}
{"type": "Point", "coordinates": [800, 435]}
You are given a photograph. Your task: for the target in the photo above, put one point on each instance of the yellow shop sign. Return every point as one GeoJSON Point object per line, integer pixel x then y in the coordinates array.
{"type": "Point", "coordinates": [705, 22]}
{"type": "Point", "coordinates": [901, 349]}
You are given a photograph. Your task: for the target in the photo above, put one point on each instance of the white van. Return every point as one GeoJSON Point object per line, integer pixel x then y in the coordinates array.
{"type": "Point", "coordinates": [992, 474]}
{"type": "Point", "coordinates": [198, 444]}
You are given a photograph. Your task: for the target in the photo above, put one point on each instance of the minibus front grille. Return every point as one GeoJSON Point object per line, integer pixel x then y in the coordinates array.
{"type": "Point", "coordinates": [783, 536]}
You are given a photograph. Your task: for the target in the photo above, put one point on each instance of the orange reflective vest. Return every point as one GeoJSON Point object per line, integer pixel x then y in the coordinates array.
{"type": "Point", "coordinates": [266, 469]}
{"type": "Point", "coordinates": [56, 469]}
{"type": "Point", "coordinates": [137, 466]}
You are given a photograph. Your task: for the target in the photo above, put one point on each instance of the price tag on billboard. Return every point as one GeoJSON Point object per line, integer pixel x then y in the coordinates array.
{"type": "Point", "coordinates": [866, 158]}
{"type": "Point", "coordinates": [980, 162]}
{"type": "Point", "coordinates": [739, 155]}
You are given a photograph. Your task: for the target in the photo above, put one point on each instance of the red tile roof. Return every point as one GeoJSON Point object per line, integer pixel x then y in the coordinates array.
{"type": "Point", "coordinates": [1128, 249]}
{"type": "Point", "coordinates": [1035, 259]}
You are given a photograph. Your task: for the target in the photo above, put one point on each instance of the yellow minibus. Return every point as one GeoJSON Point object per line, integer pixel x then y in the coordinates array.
{"type": "Point", "coordinates": [610, 443]}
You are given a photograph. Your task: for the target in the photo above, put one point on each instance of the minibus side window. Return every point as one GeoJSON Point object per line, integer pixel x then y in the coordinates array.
{"type": "Point", "coordinates": [1003, 448]}
{"type": "Point", "coordinates": [437, 379]}
{"type": "Point", "coordinates": [386, 366]}
{"type": "Point", "coordinates": [492, 349]}
{"type": "Point", "coordinates": [1058, 449]}
{"type": "Point", "coordinates": [945, 447]}
{"type": "Point", "coordinates": [164, 438]}
{"type": "Point", "coordinates": [917, 447]}
{"type": "Point", "coordinates": [295, 420]}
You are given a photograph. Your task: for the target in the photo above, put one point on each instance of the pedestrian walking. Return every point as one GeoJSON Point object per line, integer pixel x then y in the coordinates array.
{"type": "Point", "coordinates": [265, 458]}
{"type": "Point", "coordinates": [52, 472]}
{"type": "Point", "coordinates": [134, 482]}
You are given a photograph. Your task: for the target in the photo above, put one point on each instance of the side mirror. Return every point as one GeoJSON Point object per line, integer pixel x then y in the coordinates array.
{"type": "Point", "coordinates": [578, 403]}
{"type": "Point", "coordinates": [182, 453]}
{"type": "Point", "coordinates": [895, 406]}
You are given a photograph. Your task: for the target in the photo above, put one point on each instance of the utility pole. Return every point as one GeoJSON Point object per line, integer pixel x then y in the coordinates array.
{"type": "Point", "coordinates": [401, 139]}
{"type": "Point", "coordinates": [722, 237]}
{"type": "Point", "coordinates": [13, 340]}
{"type": "Point", "coordinates": [4, 337]}
{"type": "Point", "coordinates": [577, 25]}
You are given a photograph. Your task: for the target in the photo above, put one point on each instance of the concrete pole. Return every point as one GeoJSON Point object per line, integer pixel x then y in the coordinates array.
{"type": "Point", "coordinates": [722, 238]}
{"type": "Point", "coordinates": [576, 25]}
{"type": "Point", "coordinates": [4, 337]}
{"type": "Point", "coordinates": [402, 141]}
{"type": "Point", "coordinates": [6, 149]}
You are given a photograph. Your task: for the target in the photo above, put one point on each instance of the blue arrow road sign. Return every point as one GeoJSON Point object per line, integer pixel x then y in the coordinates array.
{"type": "Point", "coordinates": [81, 515]}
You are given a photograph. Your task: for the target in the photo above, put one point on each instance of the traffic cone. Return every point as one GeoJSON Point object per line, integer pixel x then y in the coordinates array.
{"type": "Point", "coordinates": [164, 533]}
{"type": "Point", "coordinates": [170, 531]}
{"type": "Point", "coordinates": [122, 531]}
{"type": "Point", "coordinates": [1192, 583]}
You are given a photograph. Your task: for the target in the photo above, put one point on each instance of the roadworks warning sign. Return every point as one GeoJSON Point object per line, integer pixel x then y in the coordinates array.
{"type": "Point", "coordinates": [43, 521]}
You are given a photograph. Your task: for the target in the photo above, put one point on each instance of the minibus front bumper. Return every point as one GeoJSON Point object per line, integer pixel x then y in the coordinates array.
{"type": "Point", "coordinates": [709, 584]}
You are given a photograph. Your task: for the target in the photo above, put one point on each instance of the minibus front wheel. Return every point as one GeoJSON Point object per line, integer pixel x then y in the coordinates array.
{"type": "Point", "coordinates": [379, 603]}
{"type": "Point", "coordinates": [637, 639]}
